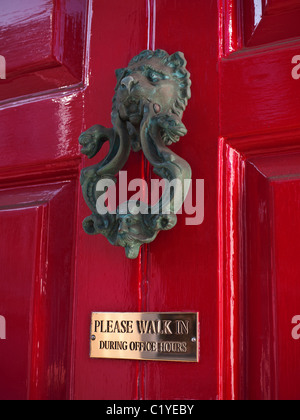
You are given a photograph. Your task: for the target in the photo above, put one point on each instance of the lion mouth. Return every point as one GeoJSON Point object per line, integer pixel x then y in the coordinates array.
{"type": "Point", "coordinates": [133, 105]}
{"type": "Point", "coordinates": [132, 109]}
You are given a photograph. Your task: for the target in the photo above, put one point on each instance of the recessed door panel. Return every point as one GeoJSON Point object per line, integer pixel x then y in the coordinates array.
{"type": "Point", "coordinates": [43, 44]}
{"type": "Point", "coordinates": [36, 285]}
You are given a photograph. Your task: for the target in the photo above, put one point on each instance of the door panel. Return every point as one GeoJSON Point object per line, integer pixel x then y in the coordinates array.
{"type": "Point", "coordinates": [39, 135]}
{"type": "Point", "coordinates": [259, 157]}
{"type": "Point", "coordinates": [272, 283]}
{"type": "Point", "coordinates": [260, 292]}
{"type": "Point", "coordinates": [36, 22]}
{"type": "Point", "coordinates": [270, 21]}
{"type": "Point", "coordinates": [178, 272]}
{"type": "Point", "coordinates": [43, 42]}
{"type": "Point", "coordinates": [15, 351]}
{"type": "Point", "coordinates": [36, 254]}
{"type": "Point", "coordinates": [286, 234]}
{"type": "Point", "coordinates": [270, 94]}
{"type": "Point", "coordinates": [107, 280]}
{"type": "Point", "coordinates": [41, 119]}
{"type": "Point", "coordinates": [182, 265]}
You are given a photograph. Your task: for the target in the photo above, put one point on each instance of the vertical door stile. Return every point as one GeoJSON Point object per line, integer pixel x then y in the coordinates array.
{"type": "Point", "coordinates": [230, 211]}
{"type": "Point", "coordinates": [145, 175]}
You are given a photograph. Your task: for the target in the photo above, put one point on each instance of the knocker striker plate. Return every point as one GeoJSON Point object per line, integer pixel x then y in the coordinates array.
{"type": "Point", "coordinates": [150, 98]}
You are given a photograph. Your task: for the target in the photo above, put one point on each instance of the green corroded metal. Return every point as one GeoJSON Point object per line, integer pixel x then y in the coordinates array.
{"type": "Point", "coordinates": [150, 98]}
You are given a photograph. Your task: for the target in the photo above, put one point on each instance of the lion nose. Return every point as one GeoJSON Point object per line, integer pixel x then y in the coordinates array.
{"type": "Point", "coordinates": [128, 82]}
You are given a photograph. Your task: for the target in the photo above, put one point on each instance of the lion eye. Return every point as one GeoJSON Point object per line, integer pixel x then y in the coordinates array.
{"type": "Point", "coordinates": [126, 73]}
{"type": "Point", "coordinates": [153, 76]}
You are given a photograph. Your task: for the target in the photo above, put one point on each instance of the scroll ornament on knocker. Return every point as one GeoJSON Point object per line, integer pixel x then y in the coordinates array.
{"type": "Point", "coordinates": [150, 98]}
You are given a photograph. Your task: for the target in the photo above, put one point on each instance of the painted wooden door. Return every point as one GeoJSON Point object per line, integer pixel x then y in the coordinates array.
{"type": "Point", "coordinates": [179, 271]}
{"type": "Point", "coordinates": [259, 199]}
{"type": "Point", "coordinates": [238, 269]}
{"type": "Point", "coordinates": [43, 44]}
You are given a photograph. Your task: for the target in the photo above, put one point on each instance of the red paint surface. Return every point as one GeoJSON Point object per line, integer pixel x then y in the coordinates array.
{"type": "Point", "coordinates": [37, 252]}
{"type": "Point", "coordinates": [238, 269]}
{"type": "Point", "coordinates": [39, 180]}
{"type": "Point", "coordinates": [270, 21]}
{"type": "Point", "coordinates": [259, 200]}
{"type": "Point", "coordinates": [43, 43]}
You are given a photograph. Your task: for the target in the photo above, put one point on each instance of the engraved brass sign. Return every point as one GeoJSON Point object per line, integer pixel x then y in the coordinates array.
{"type": "Point", "coordinates": [145, 336]}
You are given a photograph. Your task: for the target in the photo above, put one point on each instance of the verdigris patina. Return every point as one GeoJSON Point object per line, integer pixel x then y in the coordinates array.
{"type": "Point", "coordinates": [150, 98]}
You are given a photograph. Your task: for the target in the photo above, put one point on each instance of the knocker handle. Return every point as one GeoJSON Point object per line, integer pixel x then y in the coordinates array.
{"type": "Point", "coordinates": [150, 98]}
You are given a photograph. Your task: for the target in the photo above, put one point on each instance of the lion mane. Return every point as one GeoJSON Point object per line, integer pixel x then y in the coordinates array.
{"type": "Point", "coordinates": [177, 63]}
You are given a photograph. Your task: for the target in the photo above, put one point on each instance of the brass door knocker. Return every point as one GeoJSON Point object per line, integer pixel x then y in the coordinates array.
{"type": "Point", "coordinates": [150, 98]}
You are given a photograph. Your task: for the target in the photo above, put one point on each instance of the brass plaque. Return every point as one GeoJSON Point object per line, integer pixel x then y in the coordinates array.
{"type": "Point", "coordinates": [145, 336]}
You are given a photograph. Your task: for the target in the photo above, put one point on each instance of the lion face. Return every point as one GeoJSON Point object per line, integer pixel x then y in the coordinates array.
{"type": "Point", "coordinates": [152, 78]}
{"type": "Point", "coordinates": [146, 82]}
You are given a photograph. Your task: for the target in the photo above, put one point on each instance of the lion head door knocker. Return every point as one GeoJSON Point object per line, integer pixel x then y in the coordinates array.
{"type": "Point", "coordinates": [150, 98]}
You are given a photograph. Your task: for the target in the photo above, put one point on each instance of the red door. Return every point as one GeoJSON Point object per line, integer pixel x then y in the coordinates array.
{"type": "Point", "coordinates": [44, 44]}
{"type": "Point", "coordinates": [260, 191]}
{"type": "Point", "coordinates": [238, 269]}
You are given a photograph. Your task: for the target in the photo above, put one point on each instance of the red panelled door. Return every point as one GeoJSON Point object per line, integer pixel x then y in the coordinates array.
{"type": "Point", "coordinates": [238, 269]}
{"type": "Point", "coordinates": [41, 113]}
{"type": "Point", "coordinates": [259, 199]}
